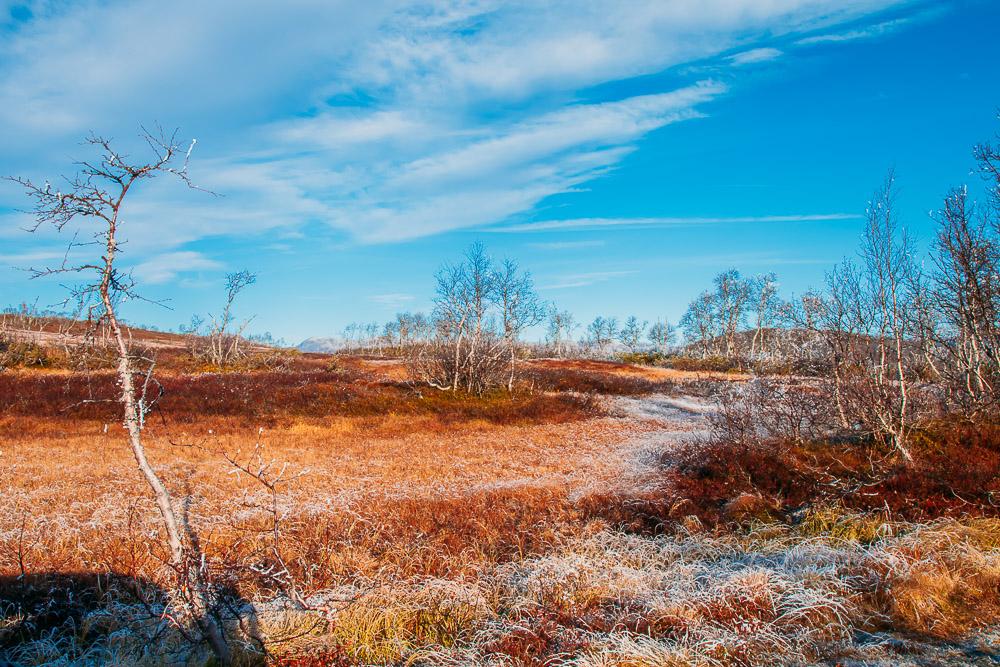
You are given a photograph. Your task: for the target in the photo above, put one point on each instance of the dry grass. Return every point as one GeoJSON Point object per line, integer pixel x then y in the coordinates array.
{"type": "Point", "coordinates": [770, 596]}
{"type": "Point", "coordinates": [437, 530]}
{"type": "Point", "coordinates": [463, 482]}
{"type": "Point", "coordinates": [620, 379]}
{"type": "Point", "coordinates": [944, 578]}
{"type": "Point", "coordinates": [955, 473]}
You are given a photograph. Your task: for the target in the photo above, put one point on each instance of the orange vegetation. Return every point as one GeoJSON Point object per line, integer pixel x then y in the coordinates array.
{"type": "Point", "coordinates": [557, 522]}
{"type": "Point", "coordinates": [461, 480]}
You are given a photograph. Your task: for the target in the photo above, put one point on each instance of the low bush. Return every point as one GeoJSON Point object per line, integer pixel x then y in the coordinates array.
{"type": "Point", "coordinates": [954, 474]}
{"type": "Point", "coordinates": [716, 364]}
{"type": "Point", "coordinates": [643, 358]}
{"type": "Point", "coordinates": [26, 354]}
{"type": "Point", "coordinates": [269, 397]}
{"type": "Point", "coordinates": [593, 377]}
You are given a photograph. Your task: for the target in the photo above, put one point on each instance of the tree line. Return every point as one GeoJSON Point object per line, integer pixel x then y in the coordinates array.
{"type": "Point", "coordinates": [892, 337]}
{"type": "Point", "coordinates": [895, 337]}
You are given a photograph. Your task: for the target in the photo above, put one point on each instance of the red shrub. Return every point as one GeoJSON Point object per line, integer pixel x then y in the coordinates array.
{"type": "Point", "coordinates": [269, 396]}
{"type": "Point", "coordinates": [955, 473]}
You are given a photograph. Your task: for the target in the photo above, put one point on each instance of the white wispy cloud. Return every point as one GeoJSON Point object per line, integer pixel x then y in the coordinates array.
{"type": "Point", "coordinates": [760, 55]}
{"type": "Point", "coordinates": [344, 129]}
{"type": "Point", "coordinates": [167, 266]}
{"type": "Point", "coordinates": [386, 121]}
{"type": "Point", "coordinates": [26, 259]}
{"type": "Point", "coordinates": [584, 279]}
{"type": "Point", "coordinates": [511, 170]}
{"type": "Point", "coordinates": [392, 300]}
{"type": "Point", "coordinates": [91, 64]}
{"type": "Point", "coordinates": [438, 181]}
{"type": "Point", "coordinates": [575, 224]}
{"type": "Point", "coordinates": [866, 32]}
{"type": "Point", "coordinates": [511, 50]}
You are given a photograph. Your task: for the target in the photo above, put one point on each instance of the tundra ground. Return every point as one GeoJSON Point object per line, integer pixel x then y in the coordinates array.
{"type": "Point", "coordinates": [424, 528]}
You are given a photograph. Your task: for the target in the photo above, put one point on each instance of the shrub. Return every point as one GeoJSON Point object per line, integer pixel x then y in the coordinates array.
{"type": "Point", "coordinates": [643, 358]}
{"type": "Point", "coordinates": [24, 354]}
{"type": "Point", "coordinates": [593, 377]}
{"type": "Point", "coordinates": [273, 396]}
{"type": "Point", "coordinates": [717, 364]}
{"type": "Point", "coordinates": [954, 474]}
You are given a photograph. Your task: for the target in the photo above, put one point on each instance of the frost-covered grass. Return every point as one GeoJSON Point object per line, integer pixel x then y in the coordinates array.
{"type": "Point", "coordinates": [490, 542]}
{"type": "Point", "coordinates": [770, 595]}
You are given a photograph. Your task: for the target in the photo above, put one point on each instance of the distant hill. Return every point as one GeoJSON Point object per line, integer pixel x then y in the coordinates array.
{"type": "Point", "coordinates": [327, 345]}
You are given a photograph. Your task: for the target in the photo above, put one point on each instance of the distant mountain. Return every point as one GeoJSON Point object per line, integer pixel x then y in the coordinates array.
{"type": "Point", "coordinates": [328, 345]}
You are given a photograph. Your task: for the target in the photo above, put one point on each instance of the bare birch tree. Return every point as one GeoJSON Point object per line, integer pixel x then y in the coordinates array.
{"type": "Point", "coordinates": [223, 339]}
{"type": "Point", "coordinates": [601, 333]}
{"type": "Point", "coordinates": [631, 333]}
{"type": "Point", "coordinates": [520, 308]}
{"type": "Point", "coordinates": [96, 196]}
{"type": "Point", "coordinates": [966, 294]}
{"type": "Point", "coordinates": [732, 297]}
{"type": "Point", "coordinates": [559, 333]}
{"type": "Point", "coordinates": [700, 324]}
{"type": "Point", "coordinates": [662, 335]}
{"type": "Point", "coordinates": [766, 306]}
{"type": "Point", "coordinates": [480, 312]}
{"type": "Point", "coordinates": [868, 319]}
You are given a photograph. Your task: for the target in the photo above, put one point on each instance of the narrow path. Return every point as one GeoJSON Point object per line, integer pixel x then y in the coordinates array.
{"type": "Point", "coordinates": [675, 419]}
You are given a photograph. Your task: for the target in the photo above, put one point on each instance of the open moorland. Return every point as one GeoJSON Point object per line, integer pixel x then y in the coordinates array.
{"type": "Point", "coordinates": [482, 333]}
{"type": "Point", "coordinates": [601, 514]}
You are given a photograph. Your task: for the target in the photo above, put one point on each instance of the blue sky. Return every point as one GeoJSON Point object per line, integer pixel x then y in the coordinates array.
{"type": "Point", "coordinates": [623, 152]}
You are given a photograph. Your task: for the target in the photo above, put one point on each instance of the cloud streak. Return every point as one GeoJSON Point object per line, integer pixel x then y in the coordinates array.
{"type": "Point", "coordinates": [583, 224]}
{"type": "Point", "coordinates": [388, 122]}
{"type": "Point", "coordinates": [867, 32]}
{"type": "Point", "coordinates": [168, 266]}
{"type": "Point", "coordinates": [754, 56]}
{"type": "Point", "coordinates": [585, 279]}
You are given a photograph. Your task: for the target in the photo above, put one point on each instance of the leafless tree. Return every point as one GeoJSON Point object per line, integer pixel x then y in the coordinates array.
{"type": "Point", "coordinates": [601, 333]}
{"type": "Point", "coordinates": [560, 330]}
{"type": "Point", "coordinates": [889, 297]}
{"type": "Point", "coordinates": [966, 292]}
{"type": "Point", "coordinates": [223, 339]}
{"type": "Point", "coordinates": [520, 308]}
{"type": "Point", "coordinates": [867, 318]}
{"type": "Point", "coordinates": [631, 333]}
{"type": "Point", "coordinates": [480, 311]}
{"type": "Point", "coordinates": [732, 297]}
{"type": "Point", "coordinates": [802, 340]}
{"type": "Point", "coordinates": [390, 337]}
{"type": "Point", "coordinates": [96, 195]}
{"type": "Point", "coordinates": [766, 308]}
{"type": "Point", "coordinates": [273, 476]}
{"type": "Point", "coordinates": [412, 327]}
{"type": "Point", "coordinates": [701, 325]}
{"type": "Point", "coordinates": [662, 335]}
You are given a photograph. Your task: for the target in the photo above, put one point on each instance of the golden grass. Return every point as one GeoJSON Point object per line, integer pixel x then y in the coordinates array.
{"type": "Point", "coordinates": [74, 501]}
{"type": "Point", "coordinates": [831, 521]}
{"type": "Point", "coordinates": [654, 373]}
{"type": "Point", "coordinates": [468, 541]}
{"type": "Point", "coordinates": [946, 581]}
